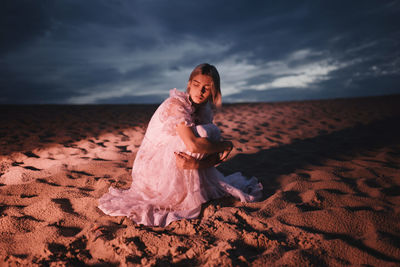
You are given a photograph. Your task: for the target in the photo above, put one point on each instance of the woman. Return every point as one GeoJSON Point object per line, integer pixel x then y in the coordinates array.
{"type": "Point", "coordinates": [167, 188]}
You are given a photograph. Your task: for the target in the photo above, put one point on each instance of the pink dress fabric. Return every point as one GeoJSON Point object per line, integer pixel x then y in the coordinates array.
{"type": "Point", "coordinates": [160, 192]}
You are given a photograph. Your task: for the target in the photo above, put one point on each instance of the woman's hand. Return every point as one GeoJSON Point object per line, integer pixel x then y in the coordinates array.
{"type": "Point", "coordinates": [228, 146]}
{"type": "Point", "coordinates": [184, 161]}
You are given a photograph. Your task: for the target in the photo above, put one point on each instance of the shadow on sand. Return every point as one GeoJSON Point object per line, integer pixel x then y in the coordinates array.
{"type": "Point", "coordinates": [268, 164]}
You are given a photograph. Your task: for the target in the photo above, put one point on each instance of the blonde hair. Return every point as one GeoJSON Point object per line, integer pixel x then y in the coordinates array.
{"type": "Point", "coordinates": [209, 70]}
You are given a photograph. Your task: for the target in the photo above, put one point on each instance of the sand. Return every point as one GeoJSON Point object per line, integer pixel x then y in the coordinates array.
{"type": "Point", "coordinates": [330, 171]}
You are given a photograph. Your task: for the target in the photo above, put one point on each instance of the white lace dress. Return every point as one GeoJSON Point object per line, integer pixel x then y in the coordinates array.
{"type": "Point", "coordinates": [160, 192]}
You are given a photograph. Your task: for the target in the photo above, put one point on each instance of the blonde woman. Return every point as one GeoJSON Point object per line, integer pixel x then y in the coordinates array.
{"type": "Point", "coordinates": [174, 170]}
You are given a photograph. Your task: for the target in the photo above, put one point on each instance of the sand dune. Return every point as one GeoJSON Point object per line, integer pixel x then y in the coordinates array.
{"type": "Point", "coordinates": [330, 171]}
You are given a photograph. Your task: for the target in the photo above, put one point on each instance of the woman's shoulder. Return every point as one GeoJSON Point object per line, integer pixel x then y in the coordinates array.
{"type": "Point", "coordinates": [176, 95]}
{"type": "Point", "coordinates": [177, 103]}
{"type": "Point", "coordinates": [177, 99]}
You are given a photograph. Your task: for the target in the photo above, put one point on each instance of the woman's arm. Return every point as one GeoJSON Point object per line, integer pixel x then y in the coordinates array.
{"type": "Point", "coordinates": [201, 145]}
{"type": "Point", "coordinates": [185, 161]}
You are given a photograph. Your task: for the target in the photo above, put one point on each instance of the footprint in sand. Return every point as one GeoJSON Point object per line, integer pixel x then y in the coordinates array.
{"type": "Point", "coordinates": [3, 208]}
{"type": "Point", "coordinates": [31, 168]}
{"type": "Point", "coordinates": [304, 176]}
{"type": "Point", "coordinates": [44, 181]}
{"type": "Point", "coordinates": [65, 205]}
{"type": "Point", "coordinates": [108, 231]}
{"type": "Point", "coordinates": [292, 196]}
{"type": "Point", "coordinates": [71, 177]}
{"type": "Point", "coordinates": [278, 136]}
{"type": "Point", "coordinates": [66, 231]}
{"type": "Point", "coordinates": [80, 173]}
{"type": "Point", "coordinates": [86, 189]}
{"type": "Point", "coordinates": [305, 207]}
{"type": "Point", "coordinates": [20, 256]}
{"type": "Point", "coordinates": [241, 140]}
{"type": "Point", "coordinates": [31, 155]}
{"type": "Point", "coordinates": [123, 149]}
{"type": "Point", "coordinates": [392, 191]}
{"type": "Point", "coordinates": [75, 254]}
{"type": "Point", "coordinates": [139, 244]}
{"type": "Point", "coordinates": [83, 150]}
{"type": "Point", "coordinates": [28, 217]}
{"type": "Point", "coordinates": [359, 208]}
{"type": "Point", "coordinates": [124, 136]}
{"type": "Point", "coordinates": [98, 143]}
{"type": "Point", "coordinates": [57, 249]}
{"type": "Point", "coordinates": [27, 196]}
{"type": "Point", "coordinates": [335, 191]}
{"type": "Point", "coordinates": [100, 159]}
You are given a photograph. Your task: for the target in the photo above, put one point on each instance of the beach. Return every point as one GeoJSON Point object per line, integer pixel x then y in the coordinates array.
{"type": "Point", "coordinates": [330, 170]}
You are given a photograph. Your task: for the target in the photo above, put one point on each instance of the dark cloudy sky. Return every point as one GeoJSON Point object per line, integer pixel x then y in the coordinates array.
{"type": "Point", "coordinates": [98, 51]}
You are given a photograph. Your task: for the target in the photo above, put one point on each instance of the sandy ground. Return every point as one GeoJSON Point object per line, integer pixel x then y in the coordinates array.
{"type": "Point", "coordinates": [330, 170]}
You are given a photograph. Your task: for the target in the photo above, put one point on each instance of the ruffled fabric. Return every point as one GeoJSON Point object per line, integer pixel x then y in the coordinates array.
{"type": "Point", "coordinates": [175, 110]}
{"type": "Point", "coordinates": [160, 192]}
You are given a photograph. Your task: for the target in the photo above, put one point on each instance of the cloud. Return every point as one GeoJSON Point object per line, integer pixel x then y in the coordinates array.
{"type": "Point", "coordinates": [68, 51]}
{"type": "Point", "coordinates": [301, 76]}
{"type": "Point", "coordinates": [22, 22]}
{"type": "Point", "coordinates": [300, 69]}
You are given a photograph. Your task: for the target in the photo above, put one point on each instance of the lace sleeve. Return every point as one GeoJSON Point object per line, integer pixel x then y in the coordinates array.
{"type": "Point", "coordinates": [174, 112]}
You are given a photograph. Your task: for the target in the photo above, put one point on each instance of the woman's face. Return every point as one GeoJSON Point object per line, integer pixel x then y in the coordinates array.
{"type": "Point", "coordinates": [200, 88]}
